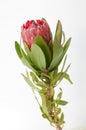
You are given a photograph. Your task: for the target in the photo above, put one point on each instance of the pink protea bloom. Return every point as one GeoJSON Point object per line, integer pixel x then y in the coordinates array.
{"type": "Point", "coordinates": [33, 28]}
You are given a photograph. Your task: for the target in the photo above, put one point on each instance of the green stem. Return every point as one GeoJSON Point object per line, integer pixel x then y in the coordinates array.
{"type": "Point", "coordinates": [49, 106]}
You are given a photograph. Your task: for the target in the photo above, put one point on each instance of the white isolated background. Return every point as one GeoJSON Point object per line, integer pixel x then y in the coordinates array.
{"type": "Point", "coordinates": [18, 108]}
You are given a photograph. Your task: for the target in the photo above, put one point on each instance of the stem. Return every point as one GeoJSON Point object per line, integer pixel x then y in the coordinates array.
{"type": "Point", "coordinates": [49, 105]}
{"type": "Point", "coordinates": [58, 128]}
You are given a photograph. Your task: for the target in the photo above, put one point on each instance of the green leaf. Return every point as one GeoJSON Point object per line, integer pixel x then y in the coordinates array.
{"type": "Point", "coordinates": [23, 56]}
{"type": "Point", "coordinates": [62, 102]}
{"type": "Point", "coordinates": [61, 119]}
{"type": "Point", "coordinates": [57, 56]}
{"type": "Point", "coordinates": [43, 45]}
{"type": "Point", "coordinates": [44, 107]}
{"type": "Point", "coordinates": [38, 57]}
{"type": "Point", "coordinates": [18, 50]}
{"type": "Point", "coordinates": [62, 75]}
{"type": "Point", "coordinates": [59, 77]}
{"type": "Point", "coordinates": [59, 96]}
{"type": "Point", "coordinates": [63, 37]}
{"type": "Point", "coordinates": [67, 77]}
{"type": "Point", "coordinates": [34, 77]}
{"type": "Point", "coordinates": [41, 84]}
{"type": "Point", "coordinates": [26, 63]}
{"type": "Point", "coordinates": [67, 68]}
{"type": "Point", "coordinates": [28, 80]}
{"type": "Point", "coordinates": [66, 46]}
{"type": "Point", "coordinates": [51, 49]}
{"type": "Point", "coordinates": [56, 78]}
{"type": "Point", "coordinates": [26, 60]}
{"type": "Point", "coordinates": [44, 115]}
{"type": "Point", "coordinates": [27, 49]}
{"type": "Point", "coordinates": [57, 111]}
{"type": "Point", "coordinates": [58, 33]}
{"type": "Point", "coordinates": [64, 63]}
{"type": "Point", "coordinates": [37, 81]}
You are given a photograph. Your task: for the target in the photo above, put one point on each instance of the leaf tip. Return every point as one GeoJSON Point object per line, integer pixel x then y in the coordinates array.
{"type": "Point", "coordinates": [70, 39]}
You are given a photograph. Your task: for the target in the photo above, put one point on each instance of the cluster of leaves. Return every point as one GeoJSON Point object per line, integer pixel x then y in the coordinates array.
{"type": "Point", "coordinates": [50, 109]}
{"type": "Point", "coordinates": [44, 61]}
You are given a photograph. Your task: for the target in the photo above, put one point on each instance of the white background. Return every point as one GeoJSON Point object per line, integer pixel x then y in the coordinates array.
{"type": "Point", "coordinates": [18, 108]}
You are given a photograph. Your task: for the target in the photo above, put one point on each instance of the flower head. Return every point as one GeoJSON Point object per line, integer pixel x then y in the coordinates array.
{"type": "Point", "coordinates": [33, 28]}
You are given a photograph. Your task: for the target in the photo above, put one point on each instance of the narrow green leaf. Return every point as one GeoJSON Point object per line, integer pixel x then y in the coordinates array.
{"type": "Point", "coordinates": [57, 56]}
{"type": "Point", "coordinates": [27, 49]}
{"type": "Point", "coordinates": [37, 57]}
{"type": "Point", "coordinates": [58, 33]}
{"type": "Point", "coordinates": [36, 98]}
{"type": "Point", "coordinates": [37, 80]}
{"type": "Point", "coordinates": [44, 107]}
{"type": "Point", "coordinates": [62, 102]}
{"type": "Point", "coordinates": [41, 84]}
{"type": "Point", "coordinates": [18, 50]}
{"type": "Point", "coordinates": [63, 36]}
{"type": "Point", "coordinates": [27, 79]}
{"type": "Point", "coordinates": [43, 45]}
{"type": "Point", "coordinates": [27, 61]}
{"type": "Point", "coordinates": [57, 78]}
{"type": "Point", "coordinates": [34, 88]}
{"type": "Point", "coordinates": [34, 77]}
{"type": "Point", "coordinates": [62, 75]}
{"type": "Point", "coordinates": [59, 96]}
{"type": "Point", "coordinates": [24, 58]}
{"type": "Point", "coordinates": [61, 120]}
{"type": "Point", "coordinates": [67, 68]}
{"type": "Point", "coordinates": [67, 77]}
{"type": "Point", "coordinates": [44, 115]}
{"type": "Point", "coordinates": [51, 49]}
{"type": "Point", "coordinates": [64, 63]}
{"type": "Point", "coordinates": [57, 111]}
{"type": "Point", "coordinates": [66, 46]}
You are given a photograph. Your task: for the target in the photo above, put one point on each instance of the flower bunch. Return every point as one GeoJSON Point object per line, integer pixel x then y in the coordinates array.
{"type": "Point", "coordinates": [43, 54]}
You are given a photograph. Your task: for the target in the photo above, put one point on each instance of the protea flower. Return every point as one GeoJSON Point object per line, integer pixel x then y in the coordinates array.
{"type": "Point", "coordinates": [33, 28]}
{"type": "Point", "coordinates": [43, 55]}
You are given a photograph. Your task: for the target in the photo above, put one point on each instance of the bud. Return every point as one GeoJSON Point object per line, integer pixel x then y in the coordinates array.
{"type": "Point", "coordinates": [31, 29]}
